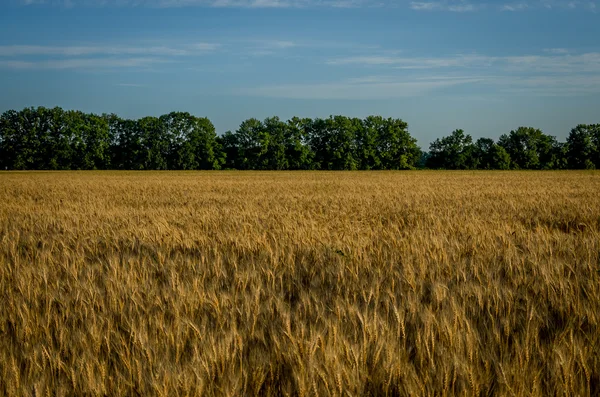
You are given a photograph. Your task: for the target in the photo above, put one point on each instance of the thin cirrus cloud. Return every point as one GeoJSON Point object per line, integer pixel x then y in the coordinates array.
{"type": "Point", "coordinates": [466, 6]}
{"type": "Point", "coordinates": [515, 7]}
{"type": "Point", "coordinates": [416, 5]}
{"type": "Point", "coordinates": [382, 88]}
{"type": "Point", "coordinates": [205, 3]}
{"type": "Point", "coordinates": [562, 73]}
{"type": "Point", "coordinates": [26, 50]}
{"type": "Point", "coordinates": [413, 62]}
{"type": "Point", "coordinates": [107, 56]}
{"type": "Point", "coordinates": [365, 88]}
{"type": "Point", "coordinates": [133, 85]}
{"type": "Point", "coordinates": [557, 50]}
{"type": "Point", "coordinates": [453, 6]}
{"type": "Point", "coordinates": [78, 63]}
{"type": "Point", "coordinates": [558, 60]}
{"type": "Point", "coordinates": [589, 5]}
{"type": "Point", "coordinates": [561, 86]}
{"type": "Point", "coordinates": [267, 47]}
{"type": "Point", "coordinates": [30, 57]}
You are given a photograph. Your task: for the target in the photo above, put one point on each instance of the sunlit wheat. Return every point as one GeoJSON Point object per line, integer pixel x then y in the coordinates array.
{"type": "Point", "coordinates": [231, 283]}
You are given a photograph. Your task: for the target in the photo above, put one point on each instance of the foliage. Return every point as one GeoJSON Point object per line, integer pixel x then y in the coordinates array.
{"type": "Point", "coordinates": [335, 143]}
{"type": "Point", "coordinates": [490, 156]}
{"type": "Point", "coordinates": [583, 147]}
{"type": "Point", "coordinates": [453, 152]}
{"type": "Point", "coordinates": [41, 138]}
{"type": "Point", "coordinates": [530, 149]}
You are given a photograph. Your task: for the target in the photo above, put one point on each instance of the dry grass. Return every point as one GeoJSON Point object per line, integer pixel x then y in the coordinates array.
{"type": "Point", "coordinates": [392, 283]}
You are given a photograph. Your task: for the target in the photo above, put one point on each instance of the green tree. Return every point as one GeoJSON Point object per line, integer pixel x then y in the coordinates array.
{"type": "Point", "coordinates": [368, 143]}
{"type": "Point", "coordinates": [43, 138]}
{"type": "Point", "coordinates": [274, 140]}
{"type": "Point", "coordinates": [192, 142]}
{"type": "Point", "coordinates": [156, 143]}
{"type": "Point", "coordinates": [33, 139]}
{"type": "Point", "coordinates": [231, 150]}
{"type": "Point", "coordinates": [268, 145]}
{"type": "Point", "coordinates": [396, 149]}
{"type": "Point", "coordinates": [333, 142]}
{"type": "Point", "coordinates": [423, 160]}
{"type": "Point", "coordinates": [252, 141]}
{"type": "Point", "coordinates": [59, 150]}
{"type": "Point", "coordinates": [490, 156]}
{"type": "Point", "coordinates": [559, 159]}
{"type": "Point", "coordinates": [595, 134]}
{"type": "Point", "coordinates": [203, 140]}
{"type": "Point", "coordinates": [127, 152]}
{"type": "Point", "coordinates": [89, 139]}
{"type": "Point", "coordinates": [178, 126]}
{"type": "Point", "coordinates": [11, 142]}
{"type": "Point", "coordinates": [500, 159]}
{"type": "Point", "coordinates": [297, 150]}
{"type": "Point", "coordinates": [530, 148]}
{"type": "Point", "coordinates": [581, 147]}
{"type": "Point", "coordinates": [453, 152]}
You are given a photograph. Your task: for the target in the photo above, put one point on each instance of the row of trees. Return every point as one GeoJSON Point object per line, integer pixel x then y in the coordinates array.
{"type": "Point", "coordinates": [336, 143]}
{"type": "Point", "coordinates": [42, 138]}
{"type": "Point", "coordinates": [56, 139]}
{"type": "Point", "coordinates": [524, 148]}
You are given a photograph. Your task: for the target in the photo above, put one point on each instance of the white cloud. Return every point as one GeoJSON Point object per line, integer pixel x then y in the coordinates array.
{"type": "Point", "coordinates": [15, 65]}
{"type": "Point", "coordinates": [418, 5]}
{"type": "Point", "coordinates": [129, 85]}
{"type": "Point", "coordinates": [549, 85]}
{"type": "Point", "coordinates": [557, 61]}
{"type": "Point", "coordinates": [415, 62]}
{"type": "Point", "coordinates": [388, 87]}
{"type": "Point", "coordinates": [557, 50]}
{"type": "Point", "coordinates": [549, 5]}
{"type": "Point", "coordinates": [564, 63]}
{"type": "Point", "coordinates": [280, 44]}
{"type": "Point", "coordinates": [264, 47]}
{"type": "Point", "coordinates": [424, 6]}
{"type": "Point", "coordinates": [79, 63]}
{"type": "Point", "coordinates": [556, 71]}
{"type": "Point", "coordinates": [366, 88]}
{"type": "Point", "coordinates": [208, 3]}
{"type": "Point", "coordinates": [515, 7]}
{"type": "Point", "coordinates": [205, 46]}
{"type": "Point", "coordinates": [460, 6]}
{"type": "Point", "coordinates": [25, 50]}
{"type": "Point", "coordinates": [226, 3]}
{"type": "Point", "coordinates": [364, 60]}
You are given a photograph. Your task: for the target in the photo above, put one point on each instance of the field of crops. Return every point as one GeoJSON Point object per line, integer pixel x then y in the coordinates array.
{"type": "Point", "coordinates": [300, 283]}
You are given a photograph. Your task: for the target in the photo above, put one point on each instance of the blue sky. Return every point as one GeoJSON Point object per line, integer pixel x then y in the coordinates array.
{"type": "Point", "coordinates": [484, 66]}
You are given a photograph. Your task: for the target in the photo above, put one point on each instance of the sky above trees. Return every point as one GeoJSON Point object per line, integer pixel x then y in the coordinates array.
{"type": "Point", "coordinates": [484, 67]}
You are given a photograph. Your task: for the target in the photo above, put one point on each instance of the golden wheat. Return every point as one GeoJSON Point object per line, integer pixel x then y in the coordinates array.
{"type": "Point", "coordinates": [300, 283]}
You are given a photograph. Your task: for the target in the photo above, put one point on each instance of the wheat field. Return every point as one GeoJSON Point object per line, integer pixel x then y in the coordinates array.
{"type": "Point", "coordinates": [300, 283]}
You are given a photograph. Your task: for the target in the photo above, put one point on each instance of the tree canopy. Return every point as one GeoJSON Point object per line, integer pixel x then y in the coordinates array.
{"type": "Point", "coordinates": [56, 139]}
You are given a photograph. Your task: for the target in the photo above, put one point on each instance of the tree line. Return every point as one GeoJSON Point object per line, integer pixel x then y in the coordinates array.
{"type": "Point", "coordinates": [56, 139]}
